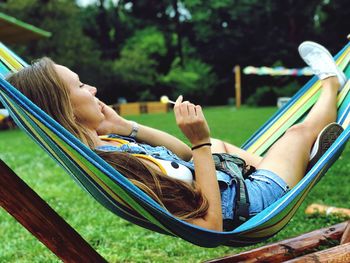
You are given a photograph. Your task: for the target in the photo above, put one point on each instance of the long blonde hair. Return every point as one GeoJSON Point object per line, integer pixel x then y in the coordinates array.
{"type": "Point", "coordinates": [179, 198]}
{"type": "Point", "coordinates": [43, 86]}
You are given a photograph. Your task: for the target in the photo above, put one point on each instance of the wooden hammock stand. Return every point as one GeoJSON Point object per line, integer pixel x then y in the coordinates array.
{"type": "Point", "coordinates": [304, 248]}
{"type": "Point", "coordinates": [27, 207]}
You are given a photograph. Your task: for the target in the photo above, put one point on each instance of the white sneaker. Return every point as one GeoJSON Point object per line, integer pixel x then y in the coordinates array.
{"type": "Point", "coordinates": [320, 61]}
{"type": "Point", "coordinates": [324, 141]}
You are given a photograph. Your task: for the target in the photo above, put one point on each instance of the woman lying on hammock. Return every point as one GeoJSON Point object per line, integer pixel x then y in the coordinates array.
{"type": "Point", "coordinates": [217, 199]}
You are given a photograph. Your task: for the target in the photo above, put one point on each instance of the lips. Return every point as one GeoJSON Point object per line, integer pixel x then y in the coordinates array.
{"type": "Point", "coordinates": [101, 105]}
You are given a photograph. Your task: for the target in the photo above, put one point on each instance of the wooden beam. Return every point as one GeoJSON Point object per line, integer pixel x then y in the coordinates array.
{"type": "Point", "coordinates": [19, 200]}
{"type": "Point", "coordinates": [339, 254]}
{"type": "Point", "coordinates": [346, 235]}
{"type": "Point", "coordinates": [289, 248]}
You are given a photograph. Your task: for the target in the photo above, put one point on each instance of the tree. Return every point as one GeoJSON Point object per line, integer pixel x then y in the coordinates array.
{"type": "Point", "coordinates": [68, 45]}
{"type": "Point", "coordinates": [331, 17]}
{"type": "Point", "coordinates": [109, 25]}
{"type": "Point", "coordinates": [138, 63]}
{"type": "Point", "coordinates": [108, 45]}
{"type": "Point", "coordinates": [249, 32]}
{"type": "Point", "coordinates": [194, 80]}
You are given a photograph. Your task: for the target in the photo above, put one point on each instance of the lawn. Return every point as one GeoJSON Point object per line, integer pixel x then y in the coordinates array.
{"type": "Point", "coordinates": [119, 241]}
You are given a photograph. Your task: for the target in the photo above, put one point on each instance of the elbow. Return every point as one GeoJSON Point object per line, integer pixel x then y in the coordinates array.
{"type": "Point", "coordinates": [186, 154]}
{"type": "Point", "coordinates": [215, 224]}
{"type": "Point", "coordinates": [216, 227]}
{"type": "Point", "coordinates": [210, 225]}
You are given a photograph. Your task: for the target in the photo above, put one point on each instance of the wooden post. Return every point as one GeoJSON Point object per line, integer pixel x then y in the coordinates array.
{"type": "Point", "coordinates": [339, 254]}
{"type": "Point", "coordinates": [346, 235]}
{"type": "Point", "coordinates": [19, 200]}
{"type": "Point", "coordinates": [289, 248]}
{"type": "Point", "coordinates": [237, 70]}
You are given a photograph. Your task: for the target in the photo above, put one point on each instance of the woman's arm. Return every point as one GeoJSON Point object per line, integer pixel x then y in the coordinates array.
{"type": "Point", "coordinates": [193, 124]}
{"type": "Point", "coordinates": [114, 123]}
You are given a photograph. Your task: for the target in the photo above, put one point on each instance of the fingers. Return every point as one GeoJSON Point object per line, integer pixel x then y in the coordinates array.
{"type": "Point", "coordinates": [199, 111]}
{"type": "Point", "coordinates": [177, 106]}
{"type": "Point", "coordinates": [185, 108]}
{"type": "Point", "coordinates": [181, 107]}
{"type": "Point", "coordinates": [190, 119]}
{"type": "Point", "coordinates": [178, 100]}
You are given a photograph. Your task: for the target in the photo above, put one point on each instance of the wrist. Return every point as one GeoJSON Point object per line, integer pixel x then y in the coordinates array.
{"type": "Point", "coordinates": [200, 145]}
{"type": "Point", "coordinates": [134, 129]}
{"type": "Point", "coordinates": [195, 142]}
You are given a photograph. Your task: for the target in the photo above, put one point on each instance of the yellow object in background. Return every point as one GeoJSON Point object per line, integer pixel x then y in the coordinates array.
{"type": "Point", "coordinates": [327, 210]}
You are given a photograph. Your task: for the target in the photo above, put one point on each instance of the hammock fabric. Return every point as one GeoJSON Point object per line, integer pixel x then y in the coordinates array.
{"type": "Point", "coordinates": [116, 193]}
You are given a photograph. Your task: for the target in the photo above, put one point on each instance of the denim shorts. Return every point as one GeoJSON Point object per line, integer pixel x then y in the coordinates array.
{"type": "Point", "coordinates": [264, 188]}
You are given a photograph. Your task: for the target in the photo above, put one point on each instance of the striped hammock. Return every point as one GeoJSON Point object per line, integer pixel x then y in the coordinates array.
{"type": "Point", "coordinates": [116, 193]}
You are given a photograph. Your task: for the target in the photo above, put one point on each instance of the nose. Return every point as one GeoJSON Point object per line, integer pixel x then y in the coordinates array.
{"type": "Point", "coordinates": [92, 90]}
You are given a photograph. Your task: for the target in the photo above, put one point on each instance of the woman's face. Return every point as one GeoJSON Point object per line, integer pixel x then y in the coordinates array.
{"type": "Point", "coordinates": [87, 108]}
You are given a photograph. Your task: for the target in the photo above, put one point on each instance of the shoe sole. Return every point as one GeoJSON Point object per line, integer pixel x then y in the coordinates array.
{"type": "Point", "coordinates": [325, 140]}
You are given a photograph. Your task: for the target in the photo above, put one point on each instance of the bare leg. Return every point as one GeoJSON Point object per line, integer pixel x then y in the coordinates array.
{"type": "Point", "coordinates": [289, 156]}
{"type": "Point", "coordinates": [219, 146]}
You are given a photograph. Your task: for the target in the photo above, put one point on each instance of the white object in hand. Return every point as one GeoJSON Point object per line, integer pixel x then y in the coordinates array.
{"type": "Point", "coordinates": [164, 99]}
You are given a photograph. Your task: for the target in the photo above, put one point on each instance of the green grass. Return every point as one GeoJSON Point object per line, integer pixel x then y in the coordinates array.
{"type": "Point", "coordinates": [120, 241]}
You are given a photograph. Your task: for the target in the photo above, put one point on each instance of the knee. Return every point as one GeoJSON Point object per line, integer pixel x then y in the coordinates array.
{"type": "Point", "coordinates": [218, 146]}
{"type": "Point", "coordinates": [301, 129]}
{"type": "Point", "coordinates": [216, 142]}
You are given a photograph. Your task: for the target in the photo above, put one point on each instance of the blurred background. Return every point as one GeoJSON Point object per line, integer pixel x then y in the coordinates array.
{"type": "Point", "coordinates": [139, 50]}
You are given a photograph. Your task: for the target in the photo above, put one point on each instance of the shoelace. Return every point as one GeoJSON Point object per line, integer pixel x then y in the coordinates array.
{"type": "Point", "coordinates": [318, 65]}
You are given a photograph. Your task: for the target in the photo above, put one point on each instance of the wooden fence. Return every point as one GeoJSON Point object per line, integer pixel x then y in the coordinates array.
{"type": "Point", "coordinates": [136, 108]}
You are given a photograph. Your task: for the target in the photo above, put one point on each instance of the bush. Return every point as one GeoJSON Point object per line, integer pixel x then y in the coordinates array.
{"type": "Point", "coordinates": [263, 96]}
{"type": "Point", "coordinates": [288, 90]}
{"type": "Point", "coordinates": [194, 80]}
{"type": "Point", "coordinates": [267, 96]}
{"type": "Point", "coordinates": [138, 62]}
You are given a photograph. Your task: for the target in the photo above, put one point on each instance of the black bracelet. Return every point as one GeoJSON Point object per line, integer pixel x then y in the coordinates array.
{"type": "Point", "coordinates": [201, 145]}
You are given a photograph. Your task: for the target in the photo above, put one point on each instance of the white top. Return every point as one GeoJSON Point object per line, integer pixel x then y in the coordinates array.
{"type": "Point", "coordinates": [177, 171]}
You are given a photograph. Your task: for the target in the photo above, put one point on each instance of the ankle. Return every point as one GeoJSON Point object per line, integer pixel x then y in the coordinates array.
{"type": "Point", "coordinates": [331, 83]}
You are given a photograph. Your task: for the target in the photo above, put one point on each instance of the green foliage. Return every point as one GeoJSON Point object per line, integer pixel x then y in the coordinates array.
{"type": "Point", "coordinates": [137, 65]}
{"type": "Point", "coordinates": [194, 80]}
{"type": "Point", "coordinates": [68, 45]}
{"type": "Point", "coordinates": [132, 48]}
{"type": "Point", "coordinates": [149, 41]}
{"type": "Point", "coordinates": [287, 91]}
{"type": "Point", "coordinates": [267, 95]}
{"type": "Point", "coordinates": [263, 96]}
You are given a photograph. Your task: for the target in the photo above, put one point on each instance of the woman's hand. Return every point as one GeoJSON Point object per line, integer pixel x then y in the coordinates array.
{"type": "Point", "coordinates": [191, 121]}
{"type": "Point", "coordinates": [113, 122]}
